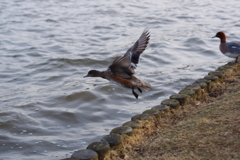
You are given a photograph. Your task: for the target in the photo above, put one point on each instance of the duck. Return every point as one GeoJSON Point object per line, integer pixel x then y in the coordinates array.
{"type": "Point", "coordinates": [121, 71]}
{"type": "Point", "coordinates": [229, 49]}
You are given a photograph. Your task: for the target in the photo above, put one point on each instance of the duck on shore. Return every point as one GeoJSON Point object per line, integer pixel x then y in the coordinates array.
{"type": "Point", "coordinates": [230, 49]}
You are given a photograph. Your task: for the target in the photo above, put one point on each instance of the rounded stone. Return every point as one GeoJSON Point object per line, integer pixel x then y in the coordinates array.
{"type": "Point", "coordinates": [140, 117]}
{"type": "Point", "coordinates": [188, 92]}
{"type": "Point", "coordinates": [102, 148]}
{"type": "Point", "coordinates": [85, 154]}
{"type": "Point", "coordinates": [207, 81]}
{"type": "Point", "coordinates": [182, 98]}
{"type": "Point", "coordinates": [224, 67]}
{"type": "Point", "coordinates": [194, 87]}
{"type": "Point", "coordinates": [132, 124]}
{"type": "Point", "coordinates": [113, 140]}
{"type": "Point", "coordinates": [152, 112]}
{"type": "Point", "coordinates": [161, 107]}
{"type": "Point", "coordinates": [122, 130]}
{"type": "Point", "coordinates": [212, 78]}
{"type": "Point", "coordinates": [202, 85]}
{"type": "Point", "coordinates": [198, 90]}
{"type": "Point", "coordinates": [226, 70]}
{"type": "Point", "coordinates": [171, 102]}
{"type": "Point", "coordinates": [217, 73]}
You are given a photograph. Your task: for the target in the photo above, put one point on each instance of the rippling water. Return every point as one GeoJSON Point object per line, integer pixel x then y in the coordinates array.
{"type": "Point", "coordinates": [47, 110]}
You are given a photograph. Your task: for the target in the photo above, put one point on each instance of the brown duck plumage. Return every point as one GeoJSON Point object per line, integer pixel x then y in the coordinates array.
{"type": "Point", "coordinates": [121, 71]}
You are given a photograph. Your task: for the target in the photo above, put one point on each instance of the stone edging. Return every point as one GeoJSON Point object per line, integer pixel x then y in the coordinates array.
{"type": "Point", "coordinates": [188, 95]}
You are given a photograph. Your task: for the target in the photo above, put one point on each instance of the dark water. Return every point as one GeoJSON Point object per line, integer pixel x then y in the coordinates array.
{"type": "Point", "coordinates": [47, 110]}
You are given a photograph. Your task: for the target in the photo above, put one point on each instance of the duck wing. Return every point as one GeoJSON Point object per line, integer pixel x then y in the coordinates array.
{"type": "Point", "coordinates": [234, 47]}
{"type": "Point", "coordinates": [121, 67]}
{"type": "Point", "coordinates": [140, 45]}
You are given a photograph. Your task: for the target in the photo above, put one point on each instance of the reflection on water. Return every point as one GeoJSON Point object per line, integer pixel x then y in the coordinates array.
{"type": "Point", "coordinates": [48, 110]}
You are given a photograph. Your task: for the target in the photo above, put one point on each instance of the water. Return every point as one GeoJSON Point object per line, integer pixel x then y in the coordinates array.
{"type": "Point", "coordinates": [48, 110]}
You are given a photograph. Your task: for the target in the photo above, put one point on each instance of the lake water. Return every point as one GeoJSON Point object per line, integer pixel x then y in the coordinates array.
{"type": "Point", "coordinates": [47, 110]}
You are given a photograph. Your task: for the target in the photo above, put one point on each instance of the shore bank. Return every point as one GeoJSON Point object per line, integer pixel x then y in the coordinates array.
{"type": "Point", "coordinates": [200, 122]}
{"type": "Point", "coordinates": [208, 129]}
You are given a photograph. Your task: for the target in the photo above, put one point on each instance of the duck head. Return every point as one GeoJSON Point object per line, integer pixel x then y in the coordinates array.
{"type": "Point", "coordinates": [93, 73]}
{"type": "Point", "coordinates": [221, 35]}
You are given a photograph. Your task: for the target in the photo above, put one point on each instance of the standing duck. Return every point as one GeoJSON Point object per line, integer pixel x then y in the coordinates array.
{"type": "Point", "coordinates": [121, 71]}
{"type": "Point", "coordinates": [230, 49]}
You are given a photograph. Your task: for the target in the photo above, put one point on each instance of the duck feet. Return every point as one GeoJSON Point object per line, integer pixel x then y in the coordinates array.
{"type": "Point", "coordinates": [139, 90]}
{"type": "Point", "coordinates": [134, 93]}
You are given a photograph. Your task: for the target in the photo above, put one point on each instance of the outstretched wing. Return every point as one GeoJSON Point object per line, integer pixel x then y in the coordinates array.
{"type": "Point", "coordinates": [134, 52]}
{"type": "Point", "coordinates": [121, 66]}
{"type": "Point", "coordinates": [234, 48]}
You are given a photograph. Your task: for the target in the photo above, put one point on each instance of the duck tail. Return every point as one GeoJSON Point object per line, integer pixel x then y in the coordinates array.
{"type": "Point", "coordinates": [145, 86]}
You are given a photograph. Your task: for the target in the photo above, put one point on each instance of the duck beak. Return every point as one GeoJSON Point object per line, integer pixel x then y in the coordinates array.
{"type": "Point", "coordinates": [214, 37]}
{"type": "Point", "coordinates": [85, 76]}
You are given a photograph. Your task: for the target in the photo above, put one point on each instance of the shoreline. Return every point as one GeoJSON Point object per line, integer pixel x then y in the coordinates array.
{"type": "Point", "coordinates": [123, 142]}
{"type": "Point", "coordinates": [208, 129]}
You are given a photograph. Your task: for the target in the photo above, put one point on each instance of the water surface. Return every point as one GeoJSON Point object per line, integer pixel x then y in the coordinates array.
{"type": "Point", "coordinates": [48, 110]}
